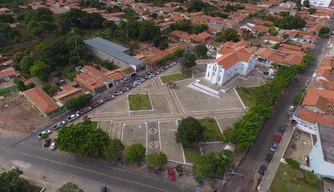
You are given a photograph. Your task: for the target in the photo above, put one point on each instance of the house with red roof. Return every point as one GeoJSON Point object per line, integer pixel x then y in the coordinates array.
{"type": "Point", "coordinates": [42, 102]}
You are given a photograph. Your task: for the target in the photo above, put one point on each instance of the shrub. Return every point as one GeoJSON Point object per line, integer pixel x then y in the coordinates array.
{"type": "Point", "coordinates": [310, 178]}
{"type": "Point", "coordinates": [293, 163]}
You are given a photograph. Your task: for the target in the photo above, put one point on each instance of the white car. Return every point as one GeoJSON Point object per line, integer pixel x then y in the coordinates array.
{"type": "Point", "coordinates": [44, 132]}
{"type": "Point", "coordinates": [73, 117]}
{"type": "Point", "coordinates": [136, 83]}
{"type": "Point", "coordinates": [53, 146]}
{"type": "Point", "coordinates": [58, 125]}
{"type": "Point", "coordinates": [292, 108]}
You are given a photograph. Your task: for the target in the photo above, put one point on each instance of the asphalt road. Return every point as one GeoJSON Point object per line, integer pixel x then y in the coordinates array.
{"type": "Point", "coordinates": [257, 154]}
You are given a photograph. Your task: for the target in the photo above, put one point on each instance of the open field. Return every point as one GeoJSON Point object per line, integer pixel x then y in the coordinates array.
{"type": "Point", "coordinates": [174, 77]}
{"type": "Point", "coordinates": [288, 179]}
{"type": "Point", "coordinates": [212, 131]}
{"type": "Point", "coordinates": [139, 102]}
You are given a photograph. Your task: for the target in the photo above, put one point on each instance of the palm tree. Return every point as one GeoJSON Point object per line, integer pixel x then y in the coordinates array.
{"type": "Point", "coordinates": [86, 120]}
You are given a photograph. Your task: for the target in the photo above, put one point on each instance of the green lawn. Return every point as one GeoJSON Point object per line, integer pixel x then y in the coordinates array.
{"type": "Point", "coordinates": [288, 179]}
{"type": "Point", "coordinates": [94, 123]}
{"type": "Point", "coordinates": [174, 77]}
{"type": "Point", "coordinates": [212, 131]}
{"type": "Point", "coordinates": [191, 153]}
{"type": "Point", "coordinates": [34, 188]}
{"type": "Point", "coordinates": [246, 96]}
{"type": "Point", "coordinates": [139, 102]}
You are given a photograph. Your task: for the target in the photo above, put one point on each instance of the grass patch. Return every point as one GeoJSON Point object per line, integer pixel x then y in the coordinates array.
{"type": "Point", "coordinates": [33, 188]}
{"type": "Point", "coordinates": [288, 179]}
{"type": "Point", "coordinates": [139, 102]}
{"type": "Point", "coordinates": [246, 95]}
{"type": "Point", "coordinates": [212, 131]}
{"type": "Point", "coordinates": [92, 123]}
{"type": "Point", "coordinates": [69, 72]}
{"type": "Point", "coordinates": [175, 77]}
{"type": "Point", "coordinates": [191, 153]}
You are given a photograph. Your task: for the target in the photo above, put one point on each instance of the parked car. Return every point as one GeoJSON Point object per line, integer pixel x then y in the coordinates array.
{"type": "Point", "coordinates": [136, 83]}
{"type": "Point", "coordinates": [117, 93]}
{"type": "Point", "coordinates": [103, 189]}
{"type": "Point", "coordinates": [97, 103]}
{"type": "Point", "coordinates": [156, 72]}
{"type": "Point", "coordinates": [262, 170]}
{"type": "Point", "coordinates": [109, 97]}
{"type": "Point", "coordinates": [282, 129]}
{"type": "Point", "coordinates": [166, 67]}
{"type": "Point", "coordinates": [277, 138]}
{"type": "Point", "coordinates": [198, 182]}
{"type": "Point", "coordinates": [274, 147]}
{"type": "Point", "coordinates": [161, 70]}
{"type": "Point", "coordinates": [46, 142]}
{"type": "Point", "coordinates": [140, 79]}
{"type": "Point", "coordinates": [147, 77]}
{"type": "Point", "coordinates": [269, 157]}
{"type": "Point", "coordinates": [58, 125]}
{"type": "Point", "coordinates": [84, 110]}
{"type": "Point", "coordinates": [130, 86]}
{"type": "Point", "coordinates": [292, 108]}
{"type": "Point", "coordinates": [125, 89]}
{"type": "Point", "coordinates": [44, 132]}
{"type": "Point", "coordinates": [171, 174]}
{"type": "Point", "coordinates": [53, 146]}
{"type": "Point", "coordinates": [73, 117]}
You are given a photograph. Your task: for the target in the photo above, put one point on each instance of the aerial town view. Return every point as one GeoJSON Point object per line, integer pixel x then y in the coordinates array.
{"type": "Point", "coordinates": [166, 95]}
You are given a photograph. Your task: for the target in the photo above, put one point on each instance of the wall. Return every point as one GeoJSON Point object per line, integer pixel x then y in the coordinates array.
{"type": "Point", "coordinates": [103, 56]}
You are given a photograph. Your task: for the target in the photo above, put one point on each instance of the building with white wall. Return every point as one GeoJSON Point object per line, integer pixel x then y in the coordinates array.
{"type": "Point", "coordinates": [319, 3]}
{"type": "Point", "coordinates": [237, 61]}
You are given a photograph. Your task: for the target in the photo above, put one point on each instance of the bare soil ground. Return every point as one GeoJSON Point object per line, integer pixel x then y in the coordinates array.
{"type": "Point", "coordinates": [18, 117]}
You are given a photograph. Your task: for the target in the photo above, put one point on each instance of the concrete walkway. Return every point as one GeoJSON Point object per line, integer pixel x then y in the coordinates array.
{"type": "Point", "coordinates": [51, 179]}
{"type": "Point", "coordinates": [275, 162]}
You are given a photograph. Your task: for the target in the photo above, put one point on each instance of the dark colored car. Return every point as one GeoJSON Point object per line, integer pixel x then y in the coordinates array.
{"type": "Point", "coordinates": [103, 189]}
{"type": "Point", "coordinates": [277, 138]}
{"type": "Point", "coordinates": [269, 157]}
{"type": "Point", "coordinates": [171, 174]}
{"type": "Point", "coordinates": [282, 129]}
{"type": "Point", "coordinates": [198, 182]}
{"type": "Point", "coordinates": [262, 170]}
{"type": "Point", "coordinates": [274, 147]}
{"type": "Point", "coordinates": [47, 142]}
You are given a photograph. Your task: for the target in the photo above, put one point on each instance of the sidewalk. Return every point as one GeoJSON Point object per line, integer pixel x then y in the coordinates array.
{"type": "Point", "coordinates": [50, 179]}
{"type": "Point", "coordinates": [268, 178]}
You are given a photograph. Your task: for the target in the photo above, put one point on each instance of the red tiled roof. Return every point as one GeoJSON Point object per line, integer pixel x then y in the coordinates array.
{"type": "Point", "coordinates": [314, 117]}
{"type": "Point", "coordinates": [230, 59]}
{"type": "Point", "coordinates": [312, 96]}
{"type": "Point", "coordinates": [8, 73]}
{"type": "Point", "coordinates": [42, 100]}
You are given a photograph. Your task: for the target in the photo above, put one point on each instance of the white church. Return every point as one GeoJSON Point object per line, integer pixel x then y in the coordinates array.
{"type": "Point", "coordinates": [229, 63]}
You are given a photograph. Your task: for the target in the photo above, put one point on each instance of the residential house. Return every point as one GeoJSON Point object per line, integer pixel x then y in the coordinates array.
{"type": "Point", "coordinates": [42, 101]}
{"type": "Point", "coordinates": [268, 56]}
{"type": "Point", "coordinates": [107, 50]}
{"type": "Point", "coordinates": [8, 74]}
{"type": "Point", "coordinates": [67, 91]}
{"type": "Point", "coordinates": [273, 40]}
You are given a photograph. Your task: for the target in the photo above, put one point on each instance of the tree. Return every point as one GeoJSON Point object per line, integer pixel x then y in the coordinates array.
{"type": "Point", "coordinates": [114, 149]}
{"type": "Point", "coordinates": [11, 181]}
{"type": "Point", "coordinates": [311, 10]}
{"type": "Point", "coordinates": [135, 153]}
{"type": "Point", "coordinates": [50, 89]}
{"type": "Point", "coordinates": [70, 187]}
{"type": "Point", "coordinates": [276, 46]}
{"type": "Point", "coordinates": [189, 130]}
{"type": "Point", "coordinates": [310, 178]}
{"type": "Point", "coordinates": [41, 70]}
{"type": "Point", "coordinates": [212, 164]}
{"type": "Point", "coordinates": [245, 34]}
{"type": "Point", "coordinates": [78, 102]}
{"type": "Point", "coordinates": [306, 3]}
{"type": "Point", "coordinates": [290, 22]}
{"type": "Point", "coordinates": [83, 139]}
{"type": "Point", "coordinates": [273, 32]}
{"type": "Point", "coordinates": [189, 61]}
{"type": "Point", "coordinates": [230, 34]}
{"type": "Point", "coordinates": [324, 30]}
{"type": "Point", "coordinates": [201, 51]}
{"type": "Point", "coordinates": [18, 57]}
{"type": "Point", "coordinates": [293, 163]}
{"type": "Point", "coordinates": [25, 64]}
{"type": "Point", "coordinates": [156, 160]}
{"type": "Point", "coordinates": [44, 136]}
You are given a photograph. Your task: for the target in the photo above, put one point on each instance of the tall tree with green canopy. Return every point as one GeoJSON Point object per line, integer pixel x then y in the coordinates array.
{"type": "Point", "coordinates": [11, 181]}
{"type": "Point", "coordinates": [114, 149]}
{"type": "Point", "coordinates": [189, 130]}
{"type": "Point", "coordinates": [40, 70]}
{"type": "Point", "coordinates": [135, 153]}
{"type": "Point", "coordinates": [85, 140]}
{"type": "Point", "coordinates": [25, 64]}
{"type": "Point", "coordinates": [213, 164]}
{"type": "Point", "coordinates": [230, 34]}
{"type": "Point", "coordinates": [70, 187]}
{"type": "Point", "coordinates": [201, 51]}
{"type": "Point", "coordinates": [188, 61]}
{"type": "Point", "coordinates": [156, 160]}
{"type": "Point", "coordinates": [324, 30]}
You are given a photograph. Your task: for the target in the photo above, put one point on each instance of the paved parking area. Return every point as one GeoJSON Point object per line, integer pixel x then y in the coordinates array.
{"type": "Point", "coordinates": [192, 100]}
{"type": "Point", "coordinates": [225, 122]}
{"type": "Point", "coordinates": [134, 133]}
{"type": "Point", "coordinates": [299, 147]}
{"type": "Point", "coordinates": [169, 146]}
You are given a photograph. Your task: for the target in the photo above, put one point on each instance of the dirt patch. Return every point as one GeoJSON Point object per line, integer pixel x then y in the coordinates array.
{"type": "Point", "coordinates": [18, 117]}
{"type": "Point", "coordinates": [168, 144]}
{"type": "Point", "coordinates": [134, 133]}
{"type": "Point", "coordinates": [299, 147]}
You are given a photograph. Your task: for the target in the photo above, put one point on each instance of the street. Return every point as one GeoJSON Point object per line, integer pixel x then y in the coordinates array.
{"type": "Point", "coordinates": [257, 154]}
